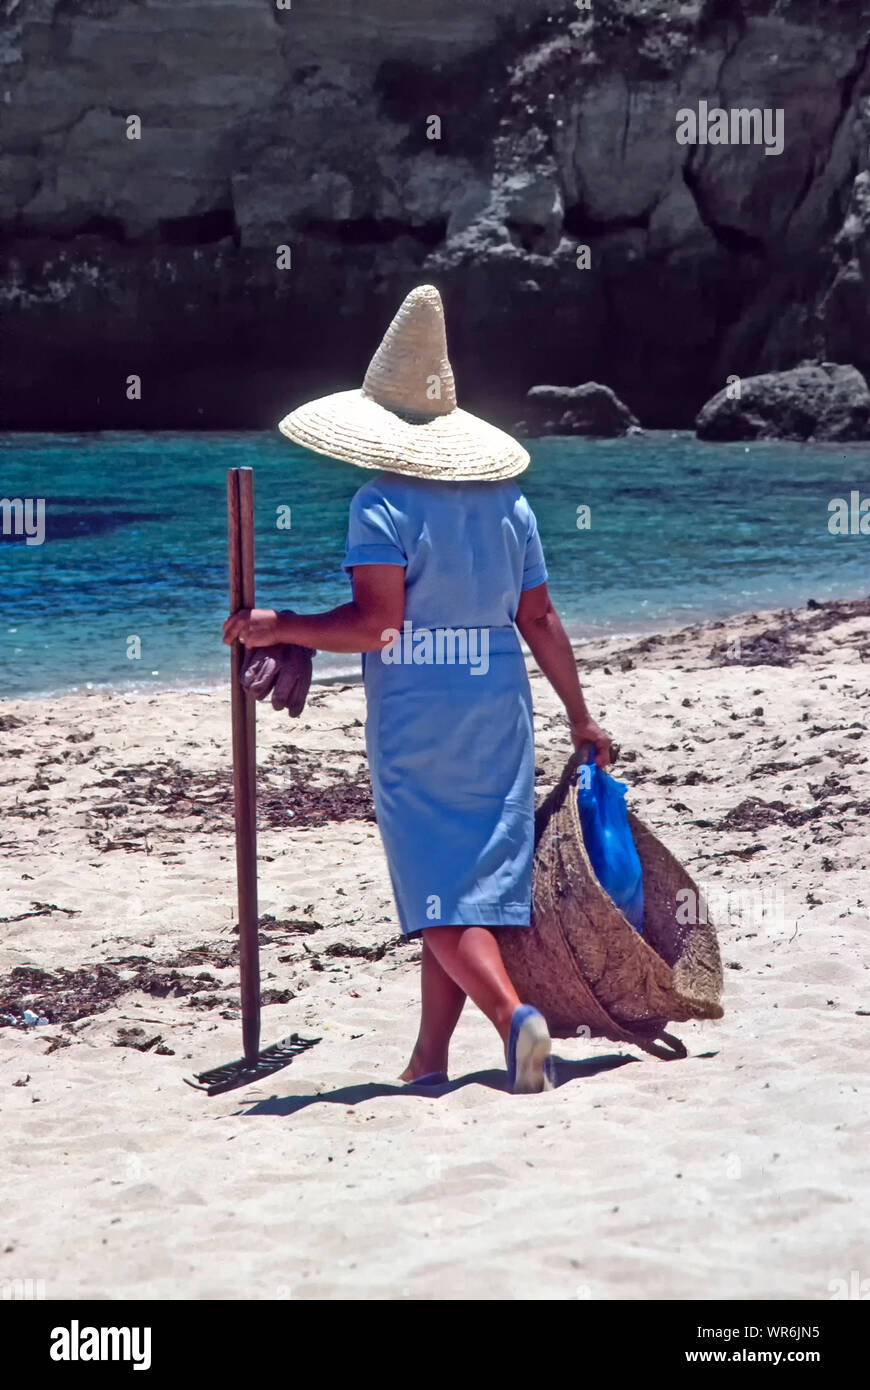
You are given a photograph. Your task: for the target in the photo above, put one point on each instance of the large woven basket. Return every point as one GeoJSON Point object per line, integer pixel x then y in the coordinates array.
{"type": "Point", "coordinates": [583, 964]}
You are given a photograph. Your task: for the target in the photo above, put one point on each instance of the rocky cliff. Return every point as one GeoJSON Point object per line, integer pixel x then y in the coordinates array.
{"type": "Point", "coordinates": [152, 248]}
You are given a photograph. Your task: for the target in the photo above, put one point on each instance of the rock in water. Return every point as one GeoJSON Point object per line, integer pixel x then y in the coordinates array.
{"type": "Point", "coordinates": [589, 410]}
{"type": "Point", "coordinates": [818, 400]}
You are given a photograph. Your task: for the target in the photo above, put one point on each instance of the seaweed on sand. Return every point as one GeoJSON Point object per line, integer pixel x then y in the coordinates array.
{"type": "Point", "coordinates": [64, 996]}
{"type": "Point", "coordinates": [170, 791]}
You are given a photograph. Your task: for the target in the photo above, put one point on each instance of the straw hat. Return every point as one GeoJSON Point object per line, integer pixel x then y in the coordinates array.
{"type": "Point", "coordinates": [405, 418]}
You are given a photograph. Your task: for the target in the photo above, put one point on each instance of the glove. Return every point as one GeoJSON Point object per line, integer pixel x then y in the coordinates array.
{"type": "Point", "coordinates": [260, 670]}
{"type": "Point", "coordinates": [294, 677]}
{"type": "Point", "coordinates": [284, 669]}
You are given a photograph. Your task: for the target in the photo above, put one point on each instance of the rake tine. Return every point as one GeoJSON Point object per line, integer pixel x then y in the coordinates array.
{"type": "Point", "coordinates": [244, 1071]}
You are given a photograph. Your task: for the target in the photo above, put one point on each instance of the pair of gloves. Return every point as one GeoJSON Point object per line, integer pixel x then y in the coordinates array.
{"type": "Point", "coordinates": [283, 670]}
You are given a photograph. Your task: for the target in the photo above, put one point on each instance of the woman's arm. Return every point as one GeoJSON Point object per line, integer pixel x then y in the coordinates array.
{"type": "Point", "coordinates": [378, 604]}
{"type": "Point", "coordinates": [541, 628]}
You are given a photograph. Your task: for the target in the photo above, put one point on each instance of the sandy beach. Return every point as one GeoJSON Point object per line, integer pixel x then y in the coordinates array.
{"type": "Point", "coordinates": [739, 1172]}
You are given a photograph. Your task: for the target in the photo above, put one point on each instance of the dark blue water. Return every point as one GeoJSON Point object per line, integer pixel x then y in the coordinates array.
{"type": "Point", "coordinates": [136, 542]}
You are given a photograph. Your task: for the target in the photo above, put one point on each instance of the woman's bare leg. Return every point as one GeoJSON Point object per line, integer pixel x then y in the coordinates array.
{"type": "Point", "coordinates": [441, 1005]}
{"type": "Point", "coordinates": [472, 959]}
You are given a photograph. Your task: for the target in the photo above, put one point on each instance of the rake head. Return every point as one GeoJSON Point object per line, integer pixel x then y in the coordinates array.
{"type": "Point", "coordinates": [243, 1072]}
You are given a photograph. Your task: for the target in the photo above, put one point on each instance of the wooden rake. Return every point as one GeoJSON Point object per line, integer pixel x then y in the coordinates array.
{"type": "Point", "coordinates": [255, 1064]}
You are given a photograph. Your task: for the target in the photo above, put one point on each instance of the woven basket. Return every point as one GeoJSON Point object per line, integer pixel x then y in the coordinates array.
{"type": "Point", "coordinates": [584, 965]}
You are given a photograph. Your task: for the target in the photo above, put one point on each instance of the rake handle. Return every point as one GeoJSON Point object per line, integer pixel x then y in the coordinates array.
{"type": "Point", "coordinates": [240, 519]}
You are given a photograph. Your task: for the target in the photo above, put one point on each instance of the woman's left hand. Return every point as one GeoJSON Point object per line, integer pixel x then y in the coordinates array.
{"type": "Point", "coordinates": [586, 733]}
{"type": "Point", "coordinates": [253, 627]}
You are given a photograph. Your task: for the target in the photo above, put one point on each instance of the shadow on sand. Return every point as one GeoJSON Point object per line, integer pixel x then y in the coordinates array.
{"type": "Point", "coordinates": [563, 1071]}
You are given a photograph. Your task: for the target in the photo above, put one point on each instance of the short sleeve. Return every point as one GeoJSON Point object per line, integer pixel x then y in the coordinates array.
{"type": "Point", "coordinates": [534, 566]}
{"type": "Point", "coordinates": [372, 535]}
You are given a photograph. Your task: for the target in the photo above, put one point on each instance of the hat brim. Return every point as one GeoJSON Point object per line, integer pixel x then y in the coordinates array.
{"type": "Point", "coordinates": [456, 447]}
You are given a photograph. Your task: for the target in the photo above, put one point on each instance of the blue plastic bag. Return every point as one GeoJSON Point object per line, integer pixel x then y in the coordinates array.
{"type": "Point", "coordinates": [609, 841]}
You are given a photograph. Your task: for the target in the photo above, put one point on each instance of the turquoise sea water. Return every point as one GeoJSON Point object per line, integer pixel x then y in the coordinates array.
{"type": "Point", "coordinates": [136, 542]}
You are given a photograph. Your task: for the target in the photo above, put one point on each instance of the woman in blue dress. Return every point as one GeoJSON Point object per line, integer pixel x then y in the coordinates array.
{"type": "Point", "coordinates": [447, 569]}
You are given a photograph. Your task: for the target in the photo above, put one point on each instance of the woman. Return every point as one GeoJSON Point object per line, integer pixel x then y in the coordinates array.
{"type": "Point", "coordinates": [446, 566]}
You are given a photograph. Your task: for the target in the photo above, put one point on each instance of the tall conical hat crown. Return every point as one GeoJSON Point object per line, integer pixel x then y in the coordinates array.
{"type": "Point", "coordinates": [405, 418]}
{"type": "Point", "coordinates": [411, 370]}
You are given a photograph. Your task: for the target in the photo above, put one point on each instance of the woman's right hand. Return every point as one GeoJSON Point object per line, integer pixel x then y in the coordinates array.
{"type": "Point", "coordinates": [585, 732]}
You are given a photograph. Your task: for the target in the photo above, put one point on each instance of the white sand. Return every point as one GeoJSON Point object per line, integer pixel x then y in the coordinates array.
{"type": "Point", "coordinates": [739, 1172]}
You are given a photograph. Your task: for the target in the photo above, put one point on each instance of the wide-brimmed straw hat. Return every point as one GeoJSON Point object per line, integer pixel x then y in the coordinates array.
{"type": "Point", "coordinates": [405, 418]}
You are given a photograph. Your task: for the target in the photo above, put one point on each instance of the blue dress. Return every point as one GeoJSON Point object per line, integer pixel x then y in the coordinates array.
{"type": "Point", "coordinates": [449, 714]}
